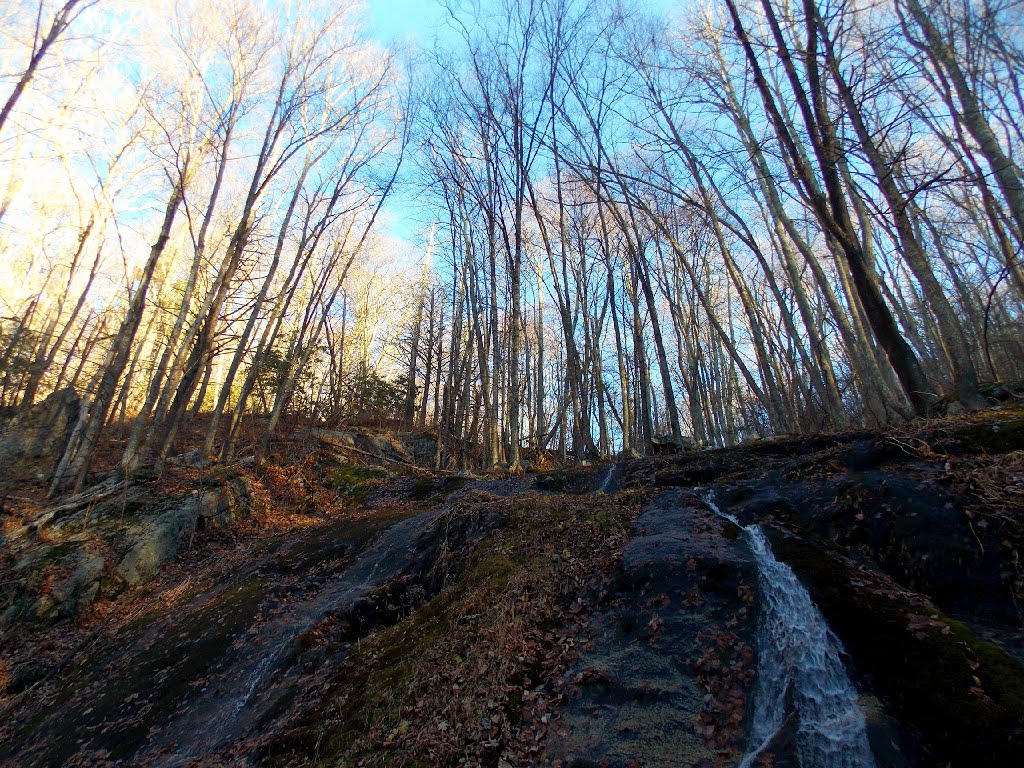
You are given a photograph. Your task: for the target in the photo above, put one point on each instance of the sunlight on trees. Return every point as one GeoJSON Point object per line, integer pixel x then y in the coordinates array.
{"type": "Point", "coordinates": [747, 218]}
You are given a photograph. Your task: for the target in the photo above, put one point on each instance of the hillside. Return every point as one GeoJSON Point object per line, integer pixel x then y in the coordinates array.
{"type": "Point", "coordinates": [325, 607]}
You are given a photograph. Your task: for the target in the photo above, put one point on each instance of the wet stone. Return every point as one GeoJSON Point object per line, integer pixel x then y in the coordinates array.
{"type": "Point", "coordinates": [634, 699]}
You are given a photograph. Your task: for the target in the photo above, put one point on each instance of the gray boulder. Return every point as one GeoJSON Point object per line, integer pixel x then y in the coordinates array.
{"type": "Point", "coordinates": [195, 459]}
{"type": "Point", "coordinates": [336, 437]}
{"type": "Point", "coordinates": [667, 444]}
{"type": "Point", "coordinates": [384, 447]}
{"type": "Point", "coordinates": [82, 580]}
{"type": "Point", "coordinates": [400, 447]}
{"type": "Point", "coordinates": [163, 534]}
{"type": "Point", "coordinates": [75, 592]}
{"type": "Point", "coordinates": [62, 564]}
{"type": "Point", "coordinates": [160, 540]}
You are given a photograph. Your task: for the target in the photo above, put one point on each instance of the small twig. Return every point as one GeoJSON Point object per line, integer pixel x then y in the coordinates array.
{"type": "Point", "coordinates": [88, 514]}
{"type": "Point", "coordinates": [976, 537]}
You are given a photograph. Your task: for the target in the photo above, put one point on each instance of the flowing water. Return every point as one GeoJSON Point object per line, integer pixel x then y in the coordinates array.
{"type": "Point", "coordinates": [800, 671]}
{"type": "Point", "coordinates": [608, 481]}
{"type": "Point", "coordinates": [258, 673]}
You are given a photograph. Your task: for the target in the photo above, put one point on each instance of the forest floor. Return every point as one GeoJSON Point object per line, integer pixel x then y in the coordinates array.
{"type": "Point", "coordinates": [588, 616]}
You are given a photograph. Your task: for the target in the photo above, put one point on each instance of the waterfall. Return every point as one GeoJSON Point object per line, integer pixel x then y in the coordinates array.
{"type": "Point", "coordinates": [800, 672]}
{"type": "Point", "coordinates": [607, 484]}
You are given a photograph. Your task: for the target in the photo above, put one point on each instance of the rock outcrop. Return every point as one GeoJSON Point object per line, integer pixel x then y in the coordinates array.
{"type": "Point", "coordinates": [63, 560]}
{"type": "Point", "coordinates": [32, 442]}
{"type": "Point", "coordinates": [645, 680]}
{"type": "Point", "coordinates": [398, 447]}
{"type": "Point", "coordinates": [603, 616]}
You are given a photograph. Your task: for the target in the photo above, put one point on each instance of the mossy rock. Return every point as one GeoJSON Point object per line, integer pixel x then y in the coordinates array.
{"type": "Point", "coordinates": [351, 481]}
{"type": "Point", "coordinates": [430, 487]}
{"type": "Point", "coordinates": [57, 553]}
{"type": "Point", "coordinates": [1000, 437]}
{"type": "Point", "coordinates": [370, 715]}
{"type": "Point", "coordinates": [381, 668]}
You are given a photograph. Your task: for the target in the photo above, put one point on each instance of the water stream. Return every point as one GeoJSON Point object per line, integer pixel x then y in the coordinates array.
{"type": "Point", "coordinates": [800, 671]}
{"type": "Point", "coordinates": [608, 481]}
{"type": "Point", "coordinates": [258, 675]}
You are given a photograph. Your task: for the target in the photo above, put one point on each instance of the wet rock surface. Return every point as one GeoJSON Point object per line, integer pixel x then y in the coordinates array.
{"type": "Point", "coordinates": [260, 670]}
{"type": "Point", "coordinates": [637, 696]}
{"type": "Point", "coordinates": [192, 684]}
{"type": "Point", "coordinates": [954, 694]}
{"type": "Point", "coordinates": [402, 448]}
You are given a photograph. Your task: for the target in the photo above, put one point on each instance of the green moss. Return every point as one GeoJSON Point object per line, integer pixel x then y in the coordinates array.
{"type": "Point", "coordinates": [1001, 437]}
{"type": "Point", "coordinates": [385, 676]}
{"type": "Point", "coordinates": [427, 487]}
{"type": "Point", "coordinates": [385, 664]}
{"type": "Point", "coordinates": [422, 488]}
{"type": "Point", "coordinates": [352, 481]}
{"type": "Point", "coordinates": [1002, 676]}
{"type": "Point", "coordinates": [57, 553]}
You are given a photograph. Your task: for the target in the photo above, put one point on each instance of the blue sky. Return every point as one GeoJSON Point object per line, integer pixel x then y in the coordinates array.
{"type": "Point", "coordinates": [397, 19]}
{"type": "Point", "coordinates": [419, 19]}
{"type": "Point", "coordinates": [417, 22]}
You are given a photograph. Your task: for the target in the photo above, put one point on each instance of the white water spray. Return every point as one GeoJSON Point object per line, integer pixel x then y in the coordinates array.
{"type": "Point", "coordinates": [800, 671]}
